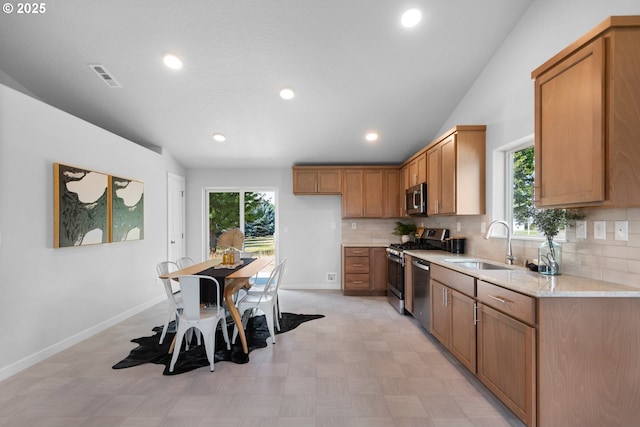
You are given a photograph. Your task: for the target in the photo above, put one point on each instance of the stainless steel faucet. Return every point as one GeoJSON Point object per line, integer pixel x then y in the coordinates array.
{"type": "Point", "coordinates": [509, 258]}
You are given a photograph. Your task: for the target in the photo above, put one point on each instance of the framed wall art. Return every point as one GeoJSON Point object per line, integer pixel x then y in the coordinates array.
{"type": "Point", "coordinates": [127, 209]}
{"type": "Point", "coordinates": [81, 206]}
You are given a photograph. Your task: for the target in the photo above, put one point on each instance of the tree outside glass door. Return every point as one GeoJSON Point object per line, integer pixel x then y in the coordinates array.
{"type": "Point", "coordinates": [253, 212]}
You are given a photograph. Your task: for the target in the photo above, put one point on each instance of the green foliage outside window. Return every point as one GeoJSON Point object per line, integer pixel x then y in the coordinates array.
{"type": "Point", "coordinates": [523, 179]}
{"type": "Point", "coordinates": [259, 218]}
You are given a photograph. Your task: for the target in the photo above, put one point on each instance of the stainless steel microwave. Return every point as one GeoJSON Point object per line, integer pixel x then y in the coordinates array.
{"type": "Point", "coordinates": [416, 200]}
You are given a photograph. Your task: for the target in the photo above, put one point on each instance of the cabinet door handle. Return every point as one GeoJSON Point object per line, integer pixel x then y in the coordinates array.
{"type": "Point", "coordinates": [357, 265]}
{"type": "Point", "coordinates": [475, 314]}
{"type": "Point", "coordinates": [502, 300]}
{"type": "Point", "coordinates": [358, 281]}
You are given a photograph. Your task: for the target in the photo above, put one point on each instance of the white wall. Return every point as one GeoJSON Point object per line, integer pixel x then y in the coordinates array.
{"type": "Point", "coordinates": [52, 298]}
{"type": "Point", "coordinates": [304, 223]}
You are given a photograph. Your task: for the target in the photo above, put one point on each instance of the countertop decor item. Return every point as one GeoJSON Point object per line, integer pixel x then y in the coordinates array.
{"type": "Point", "coordinates": [404, 230]}
{"type": "Point", "coordinates": [548, 222]}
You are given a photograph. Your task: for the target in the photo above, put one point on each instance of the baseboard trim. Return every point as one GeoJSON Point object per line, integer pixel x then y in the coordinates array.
{"type": "Point", "coordinates": [311, 287]}
{"type": "Point", "coordinates": [45, 353]}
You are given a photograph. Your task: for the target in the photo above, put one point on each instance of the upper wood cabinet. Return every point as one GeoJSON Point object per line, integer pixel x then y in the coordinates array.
{"type": "Point", "coordinates": [587, 118]}
{"type": "Point", "coordinates": [393, 196]}
{"type": "Point", "coordinates": [416, 170]}
{"type": "Point", "coordinates": [317, 180]}
{"type": "Point", "coordinates": [456, 172]}
{"type": "Point", "coordinates": [371, 193]}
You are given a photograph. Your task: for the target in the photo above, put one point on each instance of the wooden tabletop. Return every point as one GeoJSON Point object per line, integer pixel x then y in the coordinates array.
{"type": "Point", "coordinates": [234, 281]}
{"type": "Point", "coordinates": [244, 272]}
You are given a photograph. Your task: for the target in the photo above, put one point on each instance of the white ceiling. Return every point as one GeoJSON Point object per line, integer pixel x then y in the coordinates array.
{"type": "Point", "coordinates": [352, 65]}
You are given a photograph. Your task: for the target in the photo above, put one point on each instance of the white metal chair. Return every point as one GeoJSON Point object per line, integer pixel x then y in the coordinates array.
{"type": "Point", "coordinates": [184, 262]}
{"type": "Point", "coordinates": [265, 302]}
{"type": "Point", "coordinates": [258, 284]}
{"type": "Point", "coordinates": [173, 298]}
{"type": "Point", "coordinates": [204, 320]}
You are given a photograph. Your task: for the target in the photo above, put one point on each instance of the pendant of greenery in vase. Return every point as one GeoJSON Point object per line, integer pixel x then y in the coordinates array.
{"type": "Point", "coordinates": [549, 257]}
{"type": "Point", "coordinates": [549, 222]}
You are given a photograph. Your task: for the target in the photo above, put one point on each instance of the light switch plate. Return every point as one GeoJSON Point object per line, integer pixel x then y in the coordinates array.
{"type": "Point", "coordinates": [581, 229]}
{"type": "Point", "coordinates": [622, 230]}
{"type": "Point", "coordinates": [600, 230]}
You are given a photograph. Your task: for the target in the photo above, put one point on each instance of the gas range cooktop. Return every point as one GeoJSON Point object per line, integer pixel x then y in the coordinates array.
{"type": "Point", "coordinates": [418, 245]}
{"type": "Point", "coordinates": [431, 239]}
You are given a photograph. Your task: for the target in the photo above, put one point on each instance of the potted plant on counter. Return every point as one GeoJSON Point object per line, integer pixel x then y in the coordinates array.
{"type": "Point", "coordinates": [404, 231]}
{"type": "Point", "coordinates": [548, 222]}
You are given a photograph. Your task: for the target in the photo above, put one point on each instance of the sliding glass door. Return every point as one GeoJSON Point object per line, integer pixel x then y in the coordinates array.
{"type": "Point", "coordinates": [253, 212]}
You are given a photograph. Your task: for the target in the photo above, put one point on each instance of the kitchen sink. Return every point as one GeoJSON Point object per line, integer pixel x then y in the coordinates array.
{"type": "Point", "coordinates": [478, 265]}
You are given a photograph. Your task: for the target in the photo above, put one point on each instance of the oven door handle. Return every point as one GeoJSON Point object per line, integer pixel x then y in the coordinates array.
{"type": "Point", "coordinates": [395, 259]}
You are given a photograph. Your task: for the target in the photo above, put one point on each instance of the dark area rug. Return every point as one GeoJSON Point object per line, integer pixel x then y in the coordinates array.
{"type": "Point", "coordinates": [149, 351]}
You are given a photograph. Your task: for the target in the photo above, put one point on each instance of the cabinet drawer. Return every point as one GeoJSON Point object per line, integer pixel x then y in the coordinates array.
{"type": "Point", "coordinates": [458, 281]}
{"type": "Point", "coordinates": [356, 251]}
{"type": "Point", "coordinates": [356, 281]}
{"type": "Point", "coordinates": [356, 264]}
{"type": "Point", "coordinates": [522, 307]}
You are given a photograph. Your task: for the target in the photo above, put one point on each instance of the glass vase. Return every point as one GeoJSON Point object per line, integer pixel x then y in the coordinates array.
{"type": "Point", "coordinates": [549, 257]}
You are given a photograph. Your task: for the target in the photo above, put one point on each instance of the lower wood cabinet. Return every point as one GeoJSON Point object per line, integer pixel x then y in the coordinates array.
{"type": "Point", "coordinates": [506, 361]}
{"type": "Point", "coordinates": [453, 314]}
{"type": "Point", "coordinates": [553, 361]}
{"type": "Point", "coordinates": [408, 283]}
{"type": "Point", "coordinates": [364, 270]}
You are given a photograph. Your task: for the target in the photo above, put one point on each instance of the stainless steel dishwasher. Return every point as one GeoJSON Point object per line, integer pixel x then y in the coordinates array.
{"type": "Point", "coordinates": [421, 304]}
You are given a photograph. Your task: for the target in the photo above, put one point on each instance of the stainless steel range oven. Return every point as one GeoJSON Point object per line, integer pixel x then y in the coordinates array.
{"type": "Point", "coordinates": [395, 278]}
{"type": "Point", "coordinates": [431, 239]}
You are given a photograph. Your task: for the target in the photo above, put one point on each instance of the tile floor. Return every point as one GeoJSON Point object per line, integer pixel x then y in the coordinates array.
{"type": "Point", "coordinates": [363, 365]}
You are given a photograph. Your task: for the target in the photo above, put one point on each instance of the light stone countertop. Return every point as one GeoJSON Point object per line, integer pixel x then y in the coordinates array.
{"type": "Point", "coordinates": [366, 244]}
{"type": "Point", "coordinates": [528, 282]}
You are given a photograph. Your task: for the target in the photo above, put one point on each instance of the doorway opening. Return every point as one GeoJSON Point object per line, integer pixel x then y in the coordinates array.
{"type": "Point", "coordinates": [253, 212]}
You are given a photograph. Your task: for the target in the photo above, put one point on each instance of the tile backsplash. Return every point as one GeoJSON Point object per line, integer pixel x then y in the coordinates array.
{"type": "Point", "coordinates": [610, 260]}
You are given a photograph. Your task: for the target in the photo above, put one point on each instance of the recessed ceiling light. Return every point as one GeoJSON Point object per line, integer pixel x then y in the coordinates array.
{"type": "Point", "coordinates": [411, 18]}
{"type": "Point", "coordinates": [172, 62]}
{"type": "Point", "coordinates": [287, 93]}
{"type": "Point", "coordinates": [219, 137]}
{"type": "Point", "coordinates": [371, 136]}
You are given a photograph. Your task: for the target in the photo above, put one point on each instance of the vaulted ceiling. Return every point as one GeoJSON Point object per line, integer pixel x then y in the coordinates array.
{"type": "Point", "coordinates": [354, 69]}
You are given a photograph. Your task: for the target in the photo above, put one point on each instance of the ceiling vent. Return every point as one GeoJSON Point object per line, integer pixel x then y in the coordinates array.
{"type": "Point", "coordinates": [104, 75]}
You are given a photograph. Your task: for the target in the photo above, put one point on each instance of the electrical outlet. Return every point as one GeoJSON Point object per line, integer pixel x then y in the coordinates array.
{"type": "Point", "coordinates": [600, 230]}
{"type": "Point", "coordinates": [354, 225]}
{"type": "Point", "coordinates": [581, 229]}
{"type": "Point", "coordinates": [622, 230]}
{"type": "Point", "coordinates": [333, 225]}
{"type": "Point", "coordinates": [483, 227]}
{"type": "Point", "coordinates": [332, 277]}
{"type": "Point", "coordinates": [458, 227]}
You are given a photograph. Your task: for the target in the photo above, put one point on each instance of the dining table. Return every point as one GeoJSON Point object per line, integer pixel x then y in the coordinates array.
{"type": "Point", "coordinates": [233, 282]}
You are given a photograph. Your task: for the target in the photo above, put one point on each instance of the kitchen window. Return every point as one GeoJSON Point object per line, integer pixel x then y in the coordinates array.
{"type": "Point", "coordinates": [519, 180]}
